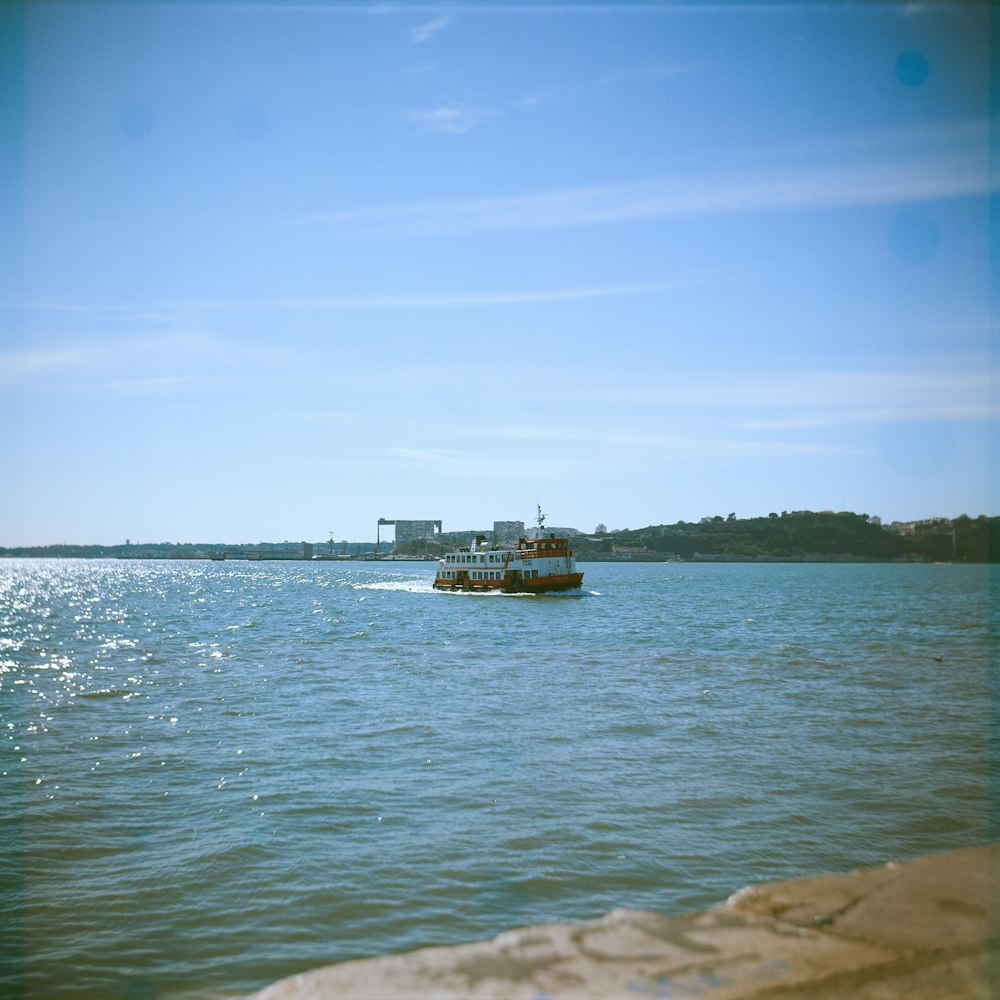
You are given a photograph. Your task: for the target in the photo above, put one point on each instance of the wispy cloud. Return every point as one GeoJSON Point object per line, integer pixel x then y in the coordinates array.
{"type": "Point", "coordinates": [657, 71]}
{"type": "Point", "coordinates": [15, 365]}
{"type": "Point", "coordinates": [446, 461]}
{"type": "Point", "coordinates": [452, 118]}
{"type": "Point", "coordinates": [621, 445]}
{"type": "Point", "coordinates": [156, 385]}
{"type": "Point", "coordinates": [330, 418]}
{"type": "Point", "coordinates": [205, 348]}
{"type": "Point", "coordinates": [424, 32]}
{"type": "Point", "coordinates": [797, 415]}
{"type": "Point", "coordinates": [433, 456]}
{"type": "Point", "coordinates": [956, 413]}
{"type": "Point", "coordinates": [458, 117]}
{"type": "Point", "coordinates": [948, 390]}
{"type": "Point", "coordinates": [450, 300]}
{"type": "Point", "coordinates": [535, 100]}
{"type": "Point", "coordinates": [855, 172]}
{"type": "Point", "coordinates": [143, 364]}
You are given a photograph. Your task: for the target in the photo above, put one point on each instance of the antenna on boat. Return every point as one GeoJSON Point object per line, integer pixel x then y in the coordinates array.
{"type": "Point", "coordinates": [541, 518]}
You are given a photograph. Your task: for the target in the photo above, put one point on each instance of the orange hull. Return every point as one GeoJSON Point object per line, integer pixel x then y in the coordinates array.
{"type": "Point", "coordinates": [538, 585]}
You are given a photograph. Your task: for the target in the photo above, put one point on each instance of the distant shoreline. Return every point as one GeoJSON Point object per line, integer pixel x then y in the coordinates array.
{"type": "Point", "coordinates": [843, 559]}
{"type": "Point", "coordinates": [789, 537]}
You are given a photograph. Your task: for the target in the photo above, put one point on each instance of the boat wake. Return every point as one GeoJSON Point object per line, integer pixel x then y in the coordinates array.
{"type": "Point", "coordinates": [406, 586]}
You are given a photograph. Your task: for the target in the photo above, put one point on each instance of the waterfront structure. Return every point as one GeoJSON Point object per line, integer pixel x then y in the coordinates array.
{"type": "Point", "coordinates": [410, 531]}
{"type": "Point", "coordinates": [914, 928]}
{"type": "Point", "coordinates": [508, 532]}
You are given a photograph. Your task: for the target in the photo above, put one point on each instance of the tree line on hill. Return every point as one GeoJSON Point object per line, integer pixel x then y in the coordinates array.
{"type": "Point", "coordinates": [806, 536]}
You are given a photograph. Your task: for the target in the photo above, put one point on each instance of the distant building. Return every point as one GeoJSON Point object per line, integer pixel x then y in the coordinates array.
{"type": "Point", "coordinates": [413, 531]}
{"type": "Point", "coordinates": [507, 532]}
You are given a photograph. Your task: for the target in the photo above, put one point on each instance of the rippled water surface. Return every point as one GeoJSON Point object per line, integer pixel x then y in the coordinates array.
{"type": "Point", "coordinates": [218, 774]}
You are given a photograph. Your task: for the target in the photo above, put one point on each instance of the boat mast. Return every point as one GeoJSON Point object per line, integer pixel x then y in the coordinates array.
{"type": "Point", "coordinates": [541, 519]}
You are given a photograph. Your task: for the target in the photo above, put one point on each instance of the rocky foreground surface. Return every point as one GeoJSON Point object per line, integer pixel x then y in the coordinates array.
{"type": "Point", "coordinates": [927, 929]}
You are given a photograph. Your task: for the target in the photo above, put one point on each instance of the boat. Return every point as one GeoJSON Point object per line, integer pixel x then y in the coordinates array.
{"type": "Point", "coordinates": [544, 564]}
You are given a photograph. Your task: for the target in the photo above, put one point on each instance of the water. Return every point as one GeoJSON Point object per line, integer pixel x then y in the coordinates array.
{"type": "Point", "coordinates": [218, 774]}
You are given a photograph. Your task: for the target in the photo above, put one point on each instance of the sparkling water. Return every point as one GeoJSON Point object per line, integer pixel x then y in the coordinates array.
{"type": "Point", "coordinates": [218, 774]}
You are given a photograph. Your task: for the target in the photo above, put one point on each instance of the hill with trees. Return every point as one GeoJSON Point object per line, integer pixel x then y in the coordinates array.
{"type": "Point", "coordinates": [804, 536]}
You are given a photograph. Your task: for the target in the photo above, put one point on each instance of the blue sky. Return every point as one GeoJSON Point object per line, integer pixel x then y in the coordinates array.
{"type": "Point", "coordinates": [269, 271]}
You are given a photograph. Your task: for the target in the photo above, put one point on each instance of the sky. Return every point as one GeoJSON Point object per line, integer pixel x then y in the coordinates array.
{"type": "Point", "coordinates": [274, 271]}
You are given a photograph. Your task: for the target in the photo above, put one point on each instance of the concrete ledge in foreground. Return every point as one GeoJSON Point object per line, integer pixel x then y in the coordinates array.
{"type": "Point", "coordinates": [927, 929]}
